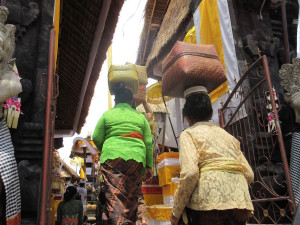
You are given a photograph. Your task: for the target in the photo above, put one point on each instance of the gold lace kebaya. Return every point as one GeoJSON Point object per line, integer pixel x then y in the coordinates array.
{"type": "Point", "coordinates": [214, 172]}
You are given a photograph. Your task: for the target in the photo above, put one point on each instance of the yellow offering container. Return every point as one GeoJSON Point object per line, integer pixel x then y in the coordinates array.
{"type": "Point", "coordinates": [159, 212]}
{"type": "Point", "coordinates": [168, 167]}
{"type": "Point", "coordinates": [126, 74]}
{"type": "Point", "coordinates": [152, 195]}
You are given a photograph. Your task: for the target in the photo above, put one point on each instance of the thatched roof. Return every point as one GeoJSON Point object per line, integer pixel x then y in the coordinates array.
{"type": "Point", "coordinates": [156, 108]}
{"type": "Point", "coordinates": [155, 11]}
{"type": "Point", "coordinates": [173, 28]}
{"type": "Point", "coordinates": [86, 31]}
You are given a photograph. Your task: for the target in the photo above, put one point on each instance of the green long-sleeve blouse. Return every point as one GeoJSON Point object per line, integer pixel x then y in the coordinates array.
{"type": "Point", "coordinates": [70, 213]}
{"type": "Point", "coordinates": [123, 132]}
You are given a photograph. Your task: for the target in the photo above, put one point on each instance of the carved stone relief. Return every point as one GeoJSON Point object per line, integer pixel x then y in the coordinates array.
{"type": "Point", "coordinates": [10, 84]}
{"type": "Point", "coordinates": [290, 80]}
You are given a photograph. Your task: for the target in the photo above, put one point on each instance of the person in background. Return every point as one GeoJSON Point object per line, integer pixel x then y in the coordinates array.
{"type": "Point", "coordinates": [70, 210]}
{"type": "Point", "coordinates": [142, 215]}
{"type": "Point", "coordinates": [82, 192]}
{"type": "Point", "coordinates": [124, 138]}
{"type": "Point", "coordinates": [214, 177]}
{"type": "Point", "coordinates": [148, 111]}
{"type": "Point", "coordinates": [85, 220]}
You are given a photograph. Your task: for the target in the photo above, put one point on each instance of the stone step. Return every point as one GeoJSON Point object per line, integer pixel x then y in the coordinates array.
{"type": "Point", "coordinates": [31, 141]}
{"type": "Point", "coordinates": [33, 130]}
{"type": "Point", "coordinates": [33, 134]}
{"type": "Point", "coordinates": [28, 148]}
{"type": "Point", "coordinates": [26, 221]}
{"type": "Point", "coordinates": [33, 126]}
{"type": "Point", "coordinates": [29, 155]}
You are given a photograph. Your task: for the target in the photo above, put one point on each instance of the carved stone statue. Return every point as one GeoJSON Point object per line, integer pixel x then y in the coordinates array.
{"type": "Point", "coordinates": [290, 80]}
{"type": "Point", "coordinates": [10, 86]}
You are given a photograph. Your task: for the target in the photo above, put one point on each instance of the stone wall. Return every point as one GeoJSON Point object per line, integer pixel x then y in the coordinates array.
{"type": "Point", "coordinates": [33, 20]}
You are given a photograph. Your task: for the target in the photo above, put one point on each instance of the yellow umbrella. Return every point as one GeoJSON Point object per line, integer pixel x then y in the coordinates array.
{"type": "Point", "coordinates": [77, 161]}
{"type": "Point", "coordinates": [154, 95]}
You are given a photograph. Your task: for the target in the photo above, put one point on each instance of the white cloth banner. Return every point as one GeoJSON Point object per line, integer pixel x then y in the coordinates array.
{"type": "Point", "coordinates": [196, 17]}
{"type": "Point", "coordinates": [232, 71]}
{"type": "Point", "coordinates": [231, 64]}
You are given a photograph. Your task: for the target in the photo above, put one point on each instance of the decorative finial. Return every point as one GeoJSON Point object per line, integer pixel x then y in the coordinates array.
{"type": "Point", "coordinates": [259, 52]}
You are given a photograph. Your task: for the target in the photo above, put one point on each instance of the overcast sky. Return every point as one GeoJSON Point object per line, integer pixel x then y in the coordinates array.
{"type": "Point", "coordinates": [124, 49]}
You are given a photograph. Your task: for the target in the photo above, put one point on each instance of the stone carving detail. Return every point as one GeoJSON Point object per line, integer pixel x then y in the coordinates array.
{"type": "Point", "coordinates": [23, 14]}
{"type": "Point", "coordinates": [290, 80]}
{"type": "Point", "coordinates": [9, 82]}
{"type": "Point", "coordinates": [10, 86]}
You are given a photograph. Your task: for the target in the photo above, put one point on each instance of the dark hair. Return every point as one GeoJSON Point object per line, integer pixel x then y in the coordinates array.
{"type": "Point", "coordinates": [70, 192]}
{"type": "Point", "coordinates": [198, 107]}
{"type": "Point", "coordinates": [81, 184]}
{"type": "Point", "coordinates": [123, 95]}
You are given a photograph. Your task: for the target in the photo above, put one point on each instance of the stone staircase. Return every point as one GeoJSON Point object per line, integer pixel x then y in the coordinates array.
{"type": "Point", "coordinates": [29, 144]}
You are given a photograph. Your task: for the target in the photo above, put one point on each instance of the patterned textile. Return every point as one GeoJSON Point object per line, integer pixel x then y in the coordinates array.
{"type": "Point", "coordinates": [214, 172]}
{"type": "Point", "coordinates": [70, 213]}
{"type": "Point", "coordinates": [142, 206]}
{"type": "Point", "coordinates": [295, 161]}
{"type": "Point", "coordinates": [217, 217]}
{"type": "Point", "coordinates": [9, 176]}
{"type": "Point", "coordinates": [122, 181]}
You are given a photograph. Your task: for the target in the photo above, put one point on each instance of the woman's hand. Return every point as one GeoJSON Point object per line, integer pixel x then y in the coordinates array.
{"type": "Point", "coordinates": [174, 220]}
{"type": "Point", "coordinates": [149, 174]}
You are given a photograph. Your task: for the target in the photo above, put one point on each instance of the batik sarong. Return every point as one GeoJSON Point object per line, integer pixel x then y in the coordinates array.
{"type": "Point", "coordinates": [122, 181]}
{"type": "Point", "coordinates": [9, 176]}
{"type": "Point", "coordinates": [141, 207]}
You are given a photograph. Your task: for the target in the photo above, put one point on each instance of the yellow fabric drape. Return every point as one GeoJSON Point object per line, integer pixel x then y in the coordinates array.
{"type": "Point", "coordinates": [190, 37]}
{"type": "Point", "coordinates": [210, 30]}
{"type": "Point", "coordinates": [82, 172]}
{"type": "Point", "coordinates": [210, 34]}
{"type": "Point", "coordinates": [225, 165]}
{"type": "Point", "coordinates": [56, 27]}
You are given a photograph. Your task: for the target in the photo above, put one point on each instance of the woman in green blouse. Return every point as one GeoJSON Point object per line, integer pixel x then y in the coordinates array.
{"type": "Point", "coordinates": [70, 210]}
{"type": "Point", "coordinates": [124, 138]}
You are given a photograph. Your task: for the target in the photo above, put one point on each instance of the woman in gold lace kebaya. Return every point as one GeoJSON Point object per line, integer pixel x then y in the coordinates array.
{"type": "Point", "coordinates": [214, 178]}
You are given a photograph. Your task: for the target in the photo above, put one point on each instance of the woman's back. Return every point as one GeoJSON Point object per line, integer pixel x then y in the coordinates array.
{"type": "Point", "coordinates": [122, 132]}
{"type": "Point", "coordinates": [224, 171]}
{"type": "Point", "coordinates": [214, 142]}
{"type": "Point", "coordinates": [70, 212]}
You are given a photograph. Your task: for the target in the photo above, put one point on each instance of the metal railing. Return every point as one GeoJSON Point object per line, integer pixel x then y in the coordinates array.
{"type": "Point", "coordinates": [250, 114]}
{"type": "Point", "coordinates": [52, 93]}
